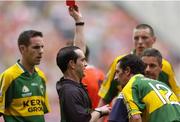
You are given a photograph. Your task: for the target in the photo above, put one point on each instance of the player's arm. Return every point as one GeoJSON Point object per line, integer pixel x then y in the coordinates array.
{"type": "Point", "coordinates": [167, 67]}
{"type": "Point", "coordinates": [174, 86]}
{"type": "Point", "coordinates": [99, 112]}
{"type": "Point", "coordinates": [105, 92]}
{"type": "Point", "coordinates": [79, 39]}
{"type": "Point", "coordinates": [5, 81]}
{"type": "Point", "coordinates": [131, 98]}
{"type": "Point", "coordinates": [101, 102]}
{"type": "Point", "coordinates": [106, 86]}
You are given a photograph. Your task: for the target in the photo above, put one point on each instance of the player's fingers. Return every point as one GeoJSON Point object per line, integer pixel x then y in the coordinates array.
{"type": "Point", "coordinates": [76, 8]}
{"type": "Point", "coordinates": [70, 9]}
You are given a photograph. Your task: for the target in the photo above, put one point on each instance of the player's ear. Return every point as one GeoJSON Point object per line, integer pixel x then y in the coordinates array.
{"type": "Point", "coordinates": [22, 48]}
{"type": "Point", "coordinates": [154, 39]}
{"type": "Point", "coordinates": [128, 70]}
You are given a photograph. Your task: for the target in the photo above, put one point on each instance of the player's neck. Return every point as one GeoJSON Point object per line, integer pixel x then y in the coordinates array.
{"type": "Point", "coordinates": [28, 67]}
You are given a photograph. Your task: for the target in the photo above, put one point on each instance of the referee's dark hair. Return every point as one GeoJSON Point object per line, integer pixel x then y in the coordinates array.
{"type": "Point", "coordinates": [65, 55]}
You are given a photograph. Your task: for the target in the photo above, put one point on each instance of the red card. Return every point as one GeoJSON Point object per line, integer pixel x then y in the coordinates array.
{"type": "Point", "coordinates": [70, 3]}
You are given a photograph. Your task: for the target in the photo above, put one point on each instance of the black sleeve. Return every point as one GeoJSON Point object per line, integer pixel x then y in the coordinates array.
{"type": "Point", "coordinates": [74, 106]}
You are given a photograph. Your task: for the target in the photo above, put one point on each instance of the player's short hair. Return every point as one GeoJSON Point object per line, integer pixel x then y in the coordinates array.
{"type": "Point", "coordinates": [145, 26]}
{"type": "Point", "coordinates": [132, 61]}
{"type": "Point", "coordinates": [65, 55]}
{"type": "Point", "coordinates": [25, 36]}
{"type": "Point", "coordinates": [154, 53]}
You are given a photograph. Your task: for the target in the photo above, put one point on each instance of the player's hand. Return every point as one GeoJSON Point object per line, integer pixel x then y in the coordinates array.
{"type": "Point", "coordinates": [75, 13]}
{"type": "Point", "coordinates": [106, 109]}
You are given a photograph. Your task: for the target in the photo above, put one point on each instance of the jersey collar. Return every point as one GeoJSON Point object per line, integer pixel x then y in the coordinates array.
{"type": "Point", "coordinates": [23, 68]}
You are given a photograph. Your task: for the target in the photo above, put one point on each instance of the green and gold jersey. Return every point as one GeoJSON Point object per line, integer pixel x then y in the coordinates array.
{"type": "Point", "coordinates": [110, 87]}
{"type": "Point", "coordinates": [151, 98]}
{"type": "Point", "coordinates": [168, 77]}
{"type": "Point", "coordinates": [23, 96]}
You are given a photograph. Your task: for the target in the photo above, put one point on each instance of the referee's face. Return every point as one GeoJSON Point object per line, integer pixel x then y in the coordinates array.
{"type": "Point", "coordinates": [80, 64]}
{"type": "Point", "coordinates": [32, 53]}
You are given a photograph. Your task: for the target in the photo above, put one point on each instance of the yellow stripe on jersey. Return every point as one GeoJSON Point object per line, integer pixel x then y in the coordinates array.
{"type": "Point", "coordinates": [153, 102]}
{"type": "Point", "coordinates": [109, 77]}
{"type": "Point", "coordinates": [13, 72]}
{"type": "Point", "coordinates": [41, 74]}
{"type": "Point", "coordinates": [26, 107]}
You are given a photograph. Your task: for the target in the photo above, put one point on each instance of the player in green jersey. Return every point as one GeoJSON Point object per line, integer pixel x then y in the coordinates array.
{"type": "Point", "coordinates": [153, 63]}
{"type": "Point", "coordinates": [145, 98]}
{"type": "Point", "coordinates": [143, 37]}
{"type": "Point", "coordinates": [153, 67]}
{"type": "Point", "coordinates": [23, 96]}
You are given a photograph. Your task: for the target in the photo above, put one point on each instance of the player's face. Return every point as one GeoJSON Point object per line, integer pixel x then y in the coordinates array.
{"type": "Point", "coordinates": [121, 75]}
{"type": "Point", "coordinates": [80, 64]}
{"type": "Point", "coordinates": [142, 40]}
{"type": "Point", "coordinates": [32, 53]}
{"type": "Point", "coordinates": [153, 68]}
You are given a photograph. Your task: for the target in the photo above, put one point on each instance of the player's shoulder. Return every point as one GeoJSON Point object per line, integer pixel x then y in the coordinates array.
{"type": "Point", "coordinates": [166, 66]}
{"type": "Point", "coordinates": [165, 62]}
{"type": "Point", "coordinates": [40, 73]}
{"type": "Point", "coordinates": [10, 74]}
{"type": "Point", "coordinates": [13, 70]}
{"type": "Point", "coordinates": [119, 57]}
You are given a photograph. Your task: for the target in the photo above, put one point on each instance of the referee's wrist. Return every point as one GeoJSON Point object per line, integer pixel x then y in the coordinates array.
{"type": "Point", "coordinates": [79, 23]}
{"type": "Point", "coordinates": [100, 112]}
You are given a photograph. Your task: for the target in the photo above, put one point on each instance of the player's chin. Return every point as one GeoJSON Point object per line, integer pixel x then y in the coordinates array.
{"type": "Point", "coordinates": [37, 62]}
{"type": "Point", "coordinates": [141, 50]}
{"type": "Point", "coordinates": [149, 76]}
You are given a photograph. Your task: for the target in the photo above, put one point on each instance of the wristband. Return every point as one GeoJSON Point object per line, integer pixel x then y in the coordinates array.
{"type": "Point", "coordinates": [100, 112]}
{"type": "Point", "coordinates": [79, 23]}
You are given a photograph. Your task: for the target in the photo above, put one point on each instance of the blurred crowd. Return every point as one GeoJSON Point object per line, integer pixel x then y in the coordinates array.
{"type": "Point", "coordinates": [108, 32]}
